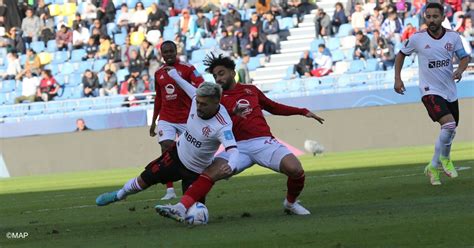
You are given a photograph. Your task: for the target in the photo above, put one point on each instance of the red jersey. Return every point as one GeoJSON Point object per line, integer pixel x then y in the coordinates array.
{"type": "Point", "coordinates": [253, 124]}
{"type": "Point", "coordinates": [171, 102]}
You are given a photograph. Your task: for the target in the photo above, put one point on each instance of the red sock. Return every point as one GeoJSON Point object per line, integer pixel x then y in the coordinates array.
{"type": "Point", "coordinates": [169, 185]}
{"type": "Point", "coordinates": [295, 186]}
{"type": "Point", "coordinates": [197, 190]}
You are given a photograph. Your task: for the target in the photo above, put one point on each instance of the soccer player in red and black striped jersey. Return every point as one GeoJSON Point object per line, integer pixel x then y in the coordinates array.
{"type": "Point", "coordinates": [171, 103]}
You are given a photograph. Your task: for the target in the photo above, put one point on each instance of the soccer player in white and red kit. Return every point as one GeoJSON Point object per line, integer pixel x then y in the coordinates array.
{"type": "Point", "coordinates": [208, 126]}
{"type": "Point", "coordinates": [171, 103]}
{"type": "Point", "coordinates": [256, 144]}
{"type": "Point", "coordinates": [436, 48]}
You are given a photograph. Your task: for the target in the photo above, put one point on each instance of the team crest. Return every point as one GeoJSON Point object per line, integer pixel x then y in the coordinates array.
{"type": "Point", "coordinates": [449, 47]}
{"type": "Point", "coordinates": [206, 131]}
{"type": "Point", "coordinates": [248, 91]}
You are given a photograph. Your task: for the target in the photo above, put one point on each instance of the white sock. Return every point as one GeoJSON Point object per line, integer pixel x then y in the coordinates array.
{"type": "Point", "coordinates": [170, 191]}
{"type": "Point", "coordinates": [130, 188]}
{"type": "Point", "coordinates": [448, 131]}
{"type": "Point", "coordinates": [443, 144]}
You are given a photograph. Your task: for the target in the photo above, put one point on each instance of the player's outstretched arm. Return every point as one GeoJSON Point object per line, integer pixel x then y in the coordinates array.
{"type": "Point", "coordinates": [398, 86]}
{"type": "Point", "coordinates": [314, 116]}
{"type": "Point", "coordinates": [187, 87]}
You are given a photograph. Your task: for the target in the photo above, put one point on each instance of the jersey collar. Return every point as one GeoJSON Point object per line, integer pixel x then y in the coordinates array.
{"type": "Point", "coordinates": [439, 38]}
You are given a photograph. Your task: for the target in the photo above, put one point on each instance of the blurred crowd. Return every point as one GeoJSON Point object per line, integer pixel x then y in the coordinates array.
{"type": "Point", "coordinates": [127, 34]}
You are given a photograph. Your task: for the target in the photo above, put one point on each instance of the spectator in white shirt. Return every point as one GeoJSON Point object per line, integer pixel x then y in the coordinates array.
{"type": "Point", "coordinates": [14, 67]}
{"type": "Point", "coordinates": [30, 84]}
{"type": "Point", "coordinates": [80, 35]}
{"type": "Point", "coordinates": [323, 61]}
{"type": "Point", "coordinates": [358, 18]}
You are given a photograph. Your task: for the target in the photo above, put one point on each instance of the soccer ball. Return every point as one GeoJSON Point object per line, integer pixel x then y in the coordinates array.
{"type": "Point", "coordinates": [197, 214]}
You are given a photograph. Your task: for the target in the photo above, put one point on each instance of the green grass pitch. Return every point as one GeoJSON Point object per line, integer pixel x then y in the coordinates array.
{"type": "Point", "coordinates": [375, 198]}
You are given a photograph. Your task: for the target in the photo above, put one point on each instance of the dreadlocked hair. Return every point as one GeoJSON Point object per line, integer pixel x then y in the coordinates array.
{"type": "Point", "coordinates": [211, 61]}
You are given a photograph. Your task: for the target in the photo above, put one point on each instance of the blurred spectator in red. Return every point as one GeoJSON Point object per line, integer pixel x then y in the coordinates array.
{"type": "Point", "coordinates": [216, 22]}
{"type": "Point", "coordinates": [48, 87]}
{"type": "Point", "coordinates": [64, 38]}
{"type": "Point", "coordinates": [408, 32]}
{"type": "Point", "coordinates": [339, 17]}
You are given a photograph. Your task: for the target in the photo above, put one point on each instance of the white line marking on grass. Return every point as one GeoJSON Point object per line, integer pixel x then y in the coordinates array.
{"type": "Point", "coordinates": [82, 206]}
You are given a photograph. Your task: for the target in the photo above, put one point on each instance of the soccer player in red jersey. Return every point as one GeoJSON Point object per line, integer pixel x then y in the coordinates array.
{"type": "Point", "coordinates": [171, 102]}
{"type": "Point", "coordinates": [256, 144]}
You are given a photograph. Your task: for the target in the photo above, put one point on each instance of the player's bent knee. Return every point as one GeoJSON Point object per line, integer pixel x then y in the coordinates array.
{"type": "Point", "coordinates": [291, 166]}
{"type": "Point", "coordinates": [142, 183]}
{"type": "Point", "coordinates": [215, 172]}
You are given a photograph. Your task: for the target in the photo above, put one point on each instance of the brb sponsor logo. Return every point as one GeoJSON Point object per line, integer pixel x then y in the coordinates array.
{"type": "Point", "coordinates": [16, 235]}
{"type": "Point", "coordinates": [438, 63]}
{"type": "Point", "coordinates": [170, 89]}
{"type": "Point", "coordinates": [192, 140]}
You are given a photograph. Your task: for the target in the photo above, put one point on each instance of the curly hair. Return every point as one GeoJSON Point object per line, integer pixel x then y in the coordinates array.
{"type": "Point", "coordinates": [211, 61]}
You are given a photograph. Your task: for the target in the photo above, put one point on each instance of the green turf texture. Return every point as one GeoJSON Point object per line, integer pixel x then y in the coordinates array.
{"type": "Point", "coordinates": [374, 198]}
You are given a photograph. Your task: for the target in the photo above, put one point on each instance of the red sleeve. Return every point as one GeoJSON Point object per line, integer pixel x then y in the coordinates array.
{"type": "Point", "coordinates": [277, 108]}
{"type": "Point", "coordinates": [196, 77]}
{"type": "Point", "coordinates": [157, 106]}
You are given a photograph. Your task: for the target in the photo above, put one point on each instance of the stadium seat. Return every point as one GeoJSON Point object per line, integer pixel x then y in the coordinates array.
{"type": "Point", "coordinates": [315, 44]}
{"type": "Point", "coordinates": [372, 65]}
{"type": "Point", "coordinates": [341, 67]}
{"type": "Point", "coordinates": [53, 67]}
{"type": "Point", "coordinates": [209, 43]}
{"type": "Point", "coordinates": [349, 53]}
{"type": "Point", "coordinates": [99, 64]}
{"type": "Point", "coordinates": [344, 30]}
{"type": "Point", "coordinates": [81, 67]}
{"type": "Point", "coordinates": [121, 74]}
{"type": "Point", "coordinates": [53, 107]}
{"type": "Point", "coordinates": [147, 3]}
{"type": "Point", "coordinates": [337, 55]}
{"type": "Point", "coordinates": [37, 46]}
{"type": "Point", "coordinates": [8, 86]}
{"type": "Point", "coordinates": [60, 57]}
{"type": "Point", "coordinates": [77, 55]}
{"type": "Point", "coordinates": [356, 66]}
{"type": "Point", "coordinates": [333, 43]}
{"type": "Point", "coordinates": [119, 38]}
{"type": "Point", "coordinates": [66, 68]}
{"type": "Point", "coordinates": [254, 63]}
{"type": "Point", "coordinates": [208, 78]}
{"type": "Point", "coordinates": [348, 42]}
{"type": "Point", "coordinates": [198, 56]}
{"type": "Point", "coordinates": [413, 21]}
{"type": "Point", "coordinates": [74, 79]}
{"type": "Point", "coordinates": [51, 46]}
{"type": "Point", "coordinates": [344, 80]}
{"type": "Point", "coordinates": [36, 108]}
{"type": "Point", "coordinates": [23, 59]}
{"type": "Point", "coordinates": [168, 34]}
{"type": "Point", "coordinates": [285, 23]}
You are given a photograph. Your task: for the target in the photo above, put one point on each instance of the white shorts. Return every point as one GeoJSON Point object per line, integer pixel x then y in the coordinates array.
{"type": "Point", "coordinates": [169, 131]}
{"type": "Point", "coordinates": [264, 151]}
